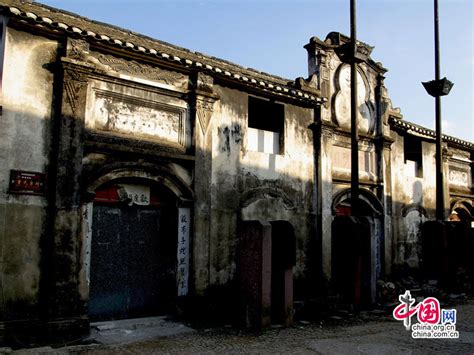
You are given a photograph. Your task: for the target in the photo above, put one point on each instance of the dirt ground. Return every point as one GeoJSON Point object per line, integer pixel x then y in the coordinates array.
{"type": "Point", "coordinates": [364, 334]}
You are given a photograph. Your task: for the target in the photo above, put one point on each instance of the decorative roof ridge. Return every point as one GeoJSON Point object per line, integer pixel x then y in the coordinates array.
{"type": "Point", "coordinates": [335, 40]}
{"type": "Point", "coordinates": [416, 128]}
{"type": "Point", "coordinates": [76, 25]}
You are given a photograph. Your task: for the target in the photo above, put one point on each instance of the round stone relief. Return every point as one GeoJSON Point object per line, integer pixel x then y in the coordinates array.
{"type": "Point", "coordinates": [342, 101]}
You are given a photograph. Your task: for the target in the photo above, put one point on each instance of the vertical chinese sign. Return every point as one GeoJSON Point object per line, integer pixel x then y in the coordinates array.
{"type": "Point", "coordinates": [184, 217]}
{"type": "Point", "coordinates": [87, 228]}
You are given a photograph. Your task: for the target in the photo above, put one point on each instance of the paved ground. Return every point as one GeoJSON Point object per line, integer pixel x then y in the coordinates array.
{"type": "Point", "coordinates": [363, 335]}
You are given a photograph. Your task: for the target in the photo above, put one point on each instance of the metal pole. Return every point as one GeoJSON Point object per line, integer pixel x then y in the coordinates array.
{"type": "Point", "coordinates": [439, 152]}
{"type": "Point", "coordinates": [354, 118]}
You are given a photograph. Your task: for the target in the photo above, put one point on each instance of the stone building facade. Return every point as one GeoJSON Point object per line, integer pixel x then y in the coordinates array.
{"type": "Point", "coordinates": [138, 178]}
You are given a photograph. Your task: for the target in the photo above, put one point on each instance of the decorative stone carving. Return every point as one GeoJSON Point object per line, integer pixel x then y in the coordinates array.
{"type": "Point", "coordinates": [324, 76]}
{"type": "Point", "coordinates": [458, 178]}
{"type": "Point", "coordinates": [204, 110]}
{"type": "Point", "coordinates": [333, 62]}
{"type": "Point", "coordinates": [141, 70]}
{"type": "Point", "coordinates": [342, 101]}
{"type": "Point", "coordinates": [79, 50]}
{"type": "Point", "coordinates": [310, 85]}
{"type": "Point", "coordinates": [74, 82]}
{"type": "Point", "coordinates": [141, 118]}
{"type": "Point", "coordinates": [204, 82]}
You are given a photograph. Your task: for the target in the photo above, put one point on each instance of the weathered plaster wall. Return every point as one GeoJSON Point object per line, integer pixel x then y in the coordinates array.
{"type": "Point", "coordinates": [24, 145]}
{"type": "Point", "coordinates": [253, 185]}
{"type": "Point", "coordinates": [413, 200]}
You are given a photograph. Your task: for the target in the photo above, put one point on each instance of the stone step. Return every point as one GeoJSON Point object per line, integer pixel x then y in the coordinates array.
{"type": "Point", "coordinates": [134, 323]}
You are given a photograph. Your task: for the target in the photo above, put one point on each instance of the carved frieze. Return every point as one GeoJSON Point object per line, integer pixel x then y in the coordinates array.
{"type": "Point", "coordinates": [140, 118]}
{"type": "Point", "coordinates": [79, 50]}
{"type": "Point", "coordinates": [145, 71]}
{"type": "Point", "coordinates": [459, 178]}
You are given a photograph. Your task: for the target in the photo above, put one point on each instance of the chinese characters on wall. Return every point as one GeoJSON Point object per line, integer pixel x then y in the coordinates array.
{"type": "Point", "coordinates": [182, 274]}
{"type": "Point", "coordinates": [138, 194]}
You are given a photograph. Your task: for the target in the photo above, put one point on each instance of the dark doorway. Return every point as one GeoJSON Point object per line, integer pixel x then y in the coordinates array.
{"type": "Point", "coordinates": [267, 253]}
{"type": "Point", "coordinates": [351, 259]}
{"type": "Point", "coordinates": [133, 256]}
{"type": "Point", "coordinates": [283, 259]}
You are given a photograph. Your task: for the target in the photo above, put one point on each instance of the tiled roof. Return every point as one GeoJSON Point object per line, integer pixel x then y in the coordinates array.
{"type": "Point", "coordinates": [429, 133]}
{"type": "Point", "coordinates": [74, 25]}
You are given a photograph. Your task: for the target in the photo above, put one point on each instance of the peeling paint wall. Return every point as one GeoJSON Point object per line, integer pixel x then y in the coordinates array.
{"type": "Point", "coordinates": [414, 197]}
{"type": "Point", "coordinates": [25, 129]}
{"type": "Point", "coordinates": [250, 185]}
{"type": "Point", "coordinates": [413, 201]}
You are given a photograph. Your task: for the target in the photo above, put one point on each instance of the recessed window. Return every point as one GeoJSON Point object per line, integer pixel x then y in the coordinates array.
{"type": "Point", "coordinates": [265, 126]}
{"type": "Point", "coordinates": [413, 156]}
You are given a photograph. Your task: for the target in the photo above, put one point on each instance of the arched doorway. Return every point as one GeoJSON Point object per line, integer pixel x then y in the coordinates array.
{"type": "Point", "coordinates": [133, 253]}
{"type": "Point", "coordinates": [460, 246]}
{"type": "Point", "coordinates": [356, 244]}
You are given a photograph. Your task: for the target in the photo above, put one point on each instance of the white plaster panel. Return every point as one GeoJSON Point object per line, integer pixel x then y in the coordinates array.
{"type": "Point", "coordinates": [342, 103]}
{"type": "Point", "coordinates": [341, 161]}
{"type": "Point", "coordinates": [136, 113]}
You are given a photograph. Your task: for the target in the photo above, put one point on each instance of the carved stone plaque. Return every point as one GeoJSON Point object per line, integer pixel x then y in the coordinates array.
{"type": "Point", "coordinates": [140, 118]}
{"type": "Point", "coordinates": [459, 178]}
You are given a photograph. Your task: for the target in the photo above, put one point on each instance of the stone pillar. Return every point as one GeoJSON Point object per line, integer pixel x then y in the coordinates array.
{"type": "Point", "coordinates": [389, 245]}
{"type": "Point", "coordinates": [61, 253]}
{"type": "Point", "coordinates": [384, 172]}
{"type": "Point", "coordinates": [203, 104]}
{"type": "Point", "coordinates": [326, 199]}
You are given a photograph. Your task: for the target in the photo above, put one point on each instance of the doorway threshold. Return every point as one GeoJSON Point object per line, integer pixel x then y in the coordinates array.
{"type": "Point", "coordinates": [134, 330]}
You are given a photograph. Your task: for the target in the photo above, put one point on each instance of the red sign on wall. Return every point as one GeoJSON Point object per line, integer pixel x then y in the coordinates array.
{"type": "Point", "coordinates": [27, 182]}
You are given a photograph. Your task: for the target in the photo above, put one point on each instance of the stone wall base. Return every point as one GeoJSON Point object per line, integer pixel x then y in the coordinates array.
{"type": "Point", "coordinates": [35, 332]}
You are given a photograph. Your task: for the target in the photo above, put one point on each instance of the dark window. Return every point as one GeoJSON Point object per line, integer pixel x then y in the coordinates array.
{"type": "Point", "coordinates": [413, 153]}
{"type": "Point", "coordinates": [266, 120]}
{"type": "Point", "coordinates": [265, 115]}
